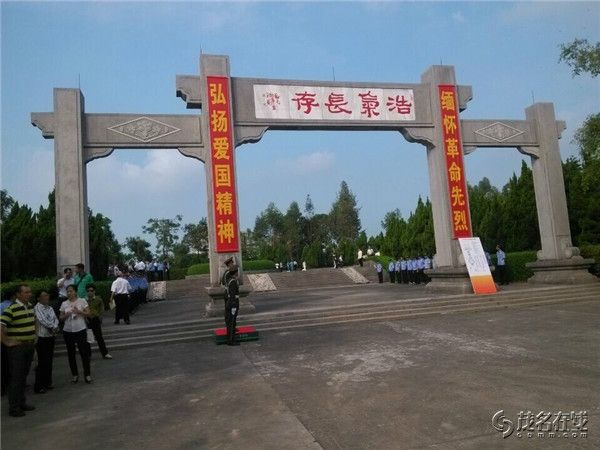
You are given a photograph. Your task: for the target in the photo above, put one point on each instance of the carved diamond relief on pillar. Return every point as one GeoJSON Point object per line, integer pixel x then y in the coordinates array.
{"type": "Point", "coordinates": [144, 129]}
{"type": "Point", "coordinates": [499, 132]}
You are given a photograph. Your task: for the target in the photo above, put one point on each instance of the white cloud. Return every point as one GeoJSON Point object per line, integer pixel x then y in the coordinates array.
{"type": "Point", "coordinates": [163, 184]}
{"type": "Point", "coordinates": [165, 170]}
{"type": "Point", "coordinates": [458, 17]}
{"type": "Point", "coordinates": [307, 164]}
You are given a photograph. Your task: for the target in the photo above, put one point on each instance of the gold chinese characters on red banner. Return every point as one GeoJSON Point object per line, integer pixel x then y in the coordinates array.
{"type": "Point", "coordinates": [457, 185]}
{"type": "Point", "coordinates": [223, 175]}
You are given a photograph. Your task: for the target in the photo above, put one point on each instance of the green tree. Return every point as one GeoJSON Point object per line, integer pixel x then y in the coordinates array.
{"type": "Point", "coordinates": [484, 207]}
{"type": "Point", "coordinates": [28, 241]}
{"type": "Point", "coordinates": [17, 231]}
{"type": "Point", "coordinates": [588, 140]}
{"type": "Point", "coordinates": [6, 203]}
{"type": "Point", "coordinates": [196, 236]}
{"type": "Point", "coordinates": [293, 225]}
{"type": "Point", "coordinates": [104, 247]}
{"type": "Point", "coordinates": [376, 242]}
{"type": "Point", "coordinates": [519, 225]}
{"type": "Point", "coordinates": [321, 230]}
{"type": "Point", "coordinates": [584, 57]}
{"type": "Point", "coordinates": [576, 201]}
{"type": "Point", "coordinates": [394, 228]}
{"type": "Point", "coordinates": [165, 232]}
{"type": "Point", "coordinates": [347, 249]}
{"type": "Point", "coordinates": [313, 255]}
{"type": "Point", "coordinates": [362, 242]}
{"type": "Point", "coordinates": [309, 213]}
{"type": "Point", "coordinates": [43, 259]}
{"type": "Point", "coordinates": [139, 248]}
{"type": "Point", "coordinates": [581, 56]}
{"type": "Point", "coordinates": [344, 217]}
{"type": "Point", "coordinates": [250, 247]}
{"type": "Point", "coordinates": [420, 229]}
{"type": "Point", "coordinates": [309, 207]}
{"type": "Point", "coordinates": [268, 231]}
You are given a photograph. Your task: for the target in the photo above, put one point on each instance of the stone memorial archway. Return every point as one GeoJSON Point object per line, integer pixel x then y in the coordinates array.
{"type": "Point", "coordinates": [236, 111]}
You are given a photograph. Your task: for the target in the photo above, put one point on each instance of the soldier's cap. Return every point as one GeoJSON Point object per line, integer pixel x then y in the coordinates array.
{"type": "Point", "coordinates": [228, 260]}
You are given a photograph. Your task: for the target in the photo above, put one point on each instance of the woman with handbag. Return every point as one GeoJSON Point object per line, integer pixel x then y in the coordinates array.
{"type": "Point", "coordinates": [73, 312]}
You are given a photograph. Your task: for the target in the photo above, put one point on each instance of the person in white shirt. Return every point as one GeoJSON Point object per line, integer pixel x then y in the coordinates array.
{"type": "Point", "coordinates": [139, 266]}
{"type": "Point", "coordinates": [46, 329]}
{"type": "Point", "coordinates": [62, 285]}
{"type": "Point", "coordinates": [501, 265]}
{"type": "Point", "coordinates": [398, 269]}
{"type": "Point", "coordinates": [120, 290]}
{"type": "Point", "coordinates": [73, 312]}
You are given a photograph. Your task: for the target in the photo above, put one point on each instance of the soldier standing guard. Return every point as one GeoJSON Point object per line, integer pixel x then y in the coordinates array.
{"type": "Point", "coordinates": [232, 304]}
{"type": "Point", "coordinates": [229, 263]}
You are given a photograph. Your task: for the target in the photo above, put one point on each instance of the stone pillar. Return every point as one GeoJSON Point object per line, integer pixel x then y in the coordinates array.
{"type": "Point", "coordinates": [218, 65]}
{"type": "Point", "coordinates": [558, 262]}
{"type": "Point", "coordinates": [449, 273]}
{"type": "Point", "coordinates": [72, 236]}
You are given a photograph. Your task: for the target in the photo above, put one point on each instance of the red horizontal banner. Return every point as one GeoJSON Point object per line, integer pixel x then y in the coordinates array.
{"type": "Point", "coordinates": [223, 171]}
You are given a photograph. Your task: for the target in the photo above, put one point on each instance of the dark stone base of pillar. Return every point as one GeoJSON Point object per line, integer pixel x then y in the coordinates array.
{"type": "Point", "coordinates": [449, 280]}
{"type": "Point", "coordinates": [562, 271]}
{"type": "Point", "coordinates": [215, 307]}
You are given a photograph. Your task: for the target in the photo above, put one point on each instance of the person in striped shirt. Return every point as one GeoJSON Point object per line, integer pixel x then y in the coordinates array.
{"type": "Point", "coordinates": [18, 334]}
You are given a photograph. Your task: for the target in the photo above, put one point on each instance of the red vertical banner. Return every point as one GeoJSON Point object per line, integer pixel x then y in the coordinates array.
{"type": "Point", "coordinates": [457, 185]}
{"type": "Point", "coordinates": [223, 171]}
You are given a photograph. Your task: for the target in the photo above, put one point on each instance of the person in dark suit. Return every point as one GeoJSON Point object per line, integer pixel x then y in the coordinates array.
{"type": "Point", "coordinates": [232, 304]}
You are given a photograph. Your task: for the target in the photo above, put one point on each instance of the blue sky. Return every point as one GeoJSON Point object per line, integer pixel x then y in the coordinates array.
{"type": "Point", "coordinates": [126, 57]}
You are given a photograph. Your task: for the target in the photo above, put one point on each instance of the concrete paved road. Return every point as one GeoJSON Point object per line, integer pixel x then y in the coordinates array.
{"type": "Point", "coordinates": [433, 382]}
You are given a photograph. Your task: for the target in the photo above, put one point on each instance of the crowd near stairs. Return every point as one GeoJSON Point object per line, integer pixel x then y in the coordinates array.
{"type": "Point", "coordinates": [190, 325]}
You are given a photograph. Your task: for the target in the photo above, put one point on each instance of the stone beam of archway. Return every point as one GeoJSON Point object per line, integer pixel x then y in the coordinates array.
{"type": "Point", "coordinates": [241, 110]}
{"type": "Point", "coordinates": [250, 129]}
{"type": "Point", "coordinates": [80, 138]}
{"type": "Point", "coordinates": [519, 134]}
{"type": "Point", "coordinates": [271, 104]}
{"type": "Point", "coordinates": [103, 133]}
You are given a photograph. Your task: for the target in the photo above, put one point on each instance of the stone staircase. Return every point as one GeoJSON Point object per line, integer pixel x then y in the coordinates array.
{"type": "Point", "coordinates": [368, 271]}
{"type": "Point", "coordinates": [312, 278]}
{"type": "Point", "coordinates": [188, 288]}
{"type": "Point", "coordinates": [193, 287]}
{"type": "Point", "coordinates": [189, 330]}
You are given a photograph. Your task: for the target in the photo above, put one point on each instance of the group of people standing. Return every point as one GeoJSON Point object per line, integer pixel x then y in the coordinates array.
{"type": "Point", "coordinates": [412, 270]}
{"type": "Point", "coordinates": [406, 270]}
{"type": "Point", "coordinates": [154, 270]}
{"type": "Point", "coordinates": [27, 329]}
